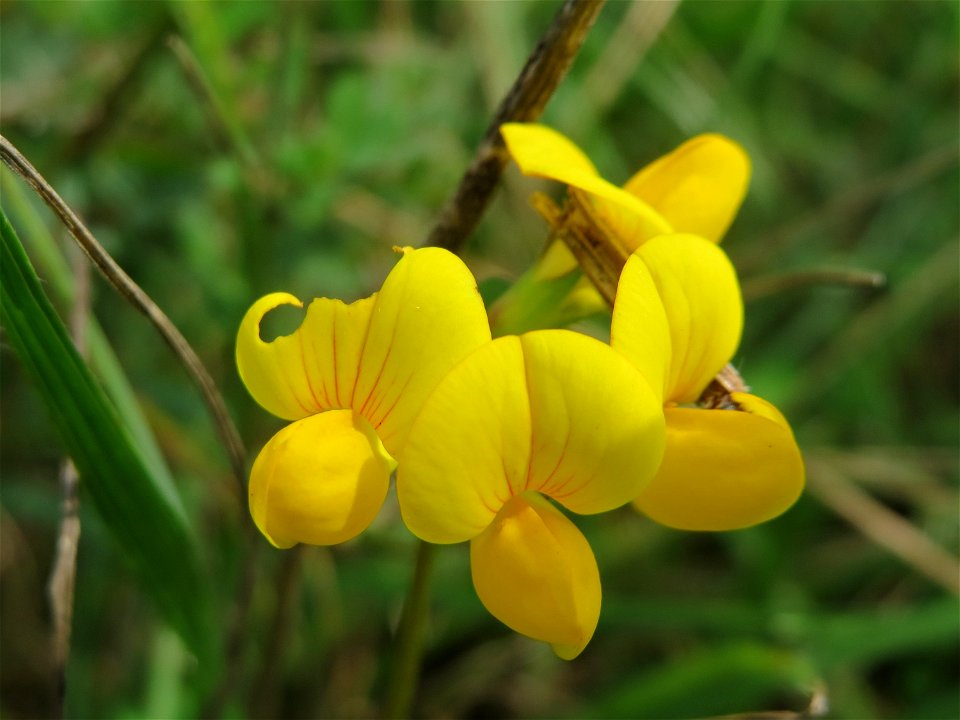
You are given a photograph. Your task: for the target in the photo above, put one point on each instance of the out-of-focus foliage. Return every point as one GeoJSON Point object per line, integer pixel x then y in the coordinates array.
{"type": "Point", "coordinates": [335, 130]}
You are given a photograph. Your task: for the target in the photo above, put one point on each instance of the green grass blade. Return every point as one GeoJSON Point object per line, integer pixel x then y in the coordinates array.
{"type": "Point", "coordinates": [55, 269]}
{"type": "Point", "coordinates": [152, 532]}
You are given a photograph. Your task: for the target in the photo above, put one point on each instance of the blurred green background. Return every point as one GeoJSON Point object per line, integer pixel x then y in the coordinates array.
{"type": "Point", "coordinates": [225, 150]}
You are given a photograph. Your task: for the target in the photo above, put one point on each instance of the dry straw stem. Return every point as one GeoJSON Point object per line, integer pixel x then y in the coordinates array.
{"type": "Point", "coordinates": [132, 292]}
{"type": "Point", "coordinates": [545, 68]}
{"type": "Point", "coordinates": [883, 526]}
{"type": "Point", "coordinates": [764, 286]}
{"type": "Point", "coordinates": [817, 707]}
{"type": "Point", "coordinates": [63, 575]}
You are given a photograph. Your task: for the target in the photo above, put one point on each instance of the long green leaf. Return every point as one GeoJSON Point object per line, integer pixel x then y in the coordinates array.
{"type": "Point", "coordinates": [152, 531]}
{"type": "Point", "coordinates": [55, 270]}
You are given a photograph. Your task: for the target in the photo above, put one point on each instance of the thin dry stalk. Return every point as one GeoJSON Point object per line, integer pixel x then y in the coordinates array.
{"type": "Point", "coordinates": [135, 295]}
{"type": "Point", "coordinates": [883, 526]}
{"type": "Point", "coordinates": [764, 286]}
{"type": "Point", "coordinates": [545, 68]}
{"type": "Point", "coordinates": [60, 587]}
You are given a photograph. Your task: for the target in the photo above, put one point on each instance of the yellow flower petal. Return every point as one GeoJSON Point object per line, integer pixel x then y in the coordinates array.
{"type": "Point", "coordinates": [698, 187]}
{"type": "Point", "coordinates": [428, 316]}
{"type": "Point", "coordinates": [620, 217]}
{"type": "Point", "coordinates": [725, 469]}
{"type": "Point", "coordinates": [380, 356]}
{"type": "Point", "coordinates": [543, 152]}
{"type": "Point", "coordinates": [553, 411]}
{"type": "Point", "coordinates": [638, 329]}
{"type": "Point", "coordinates": [535, 572]}
{"type": "Point", "coordinates": [320, 480]}
{"type": "Point", "coordinates": [701, 296]}
{"type": "Point", "coordinates": [758, 406]}
{"type": "Point", "coordinates": [556, 261]}
{"type": "Point", "coordinates": [468, 448]}
{"type": "Point", "coordinates": [311, 370]}
{"type": "Point", "coordinates": [597, 428]}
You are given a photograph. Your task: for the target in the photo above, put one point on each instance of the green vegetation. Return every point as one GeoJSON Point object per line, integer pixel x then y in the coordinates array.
{"type": "Point", "coordinates": [224, 150]}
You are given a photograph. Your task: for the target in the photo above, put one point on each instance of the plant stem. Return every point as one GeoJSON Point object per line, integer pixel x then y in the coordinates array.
{"type": "Point", "coordinates": [524, 102]}
{"type": "Point", "coordinates": [135, 295]}
{"type": "Point", "coordinates": [402, 683]}
{"type": "Point", "coordinates": [63, 576]}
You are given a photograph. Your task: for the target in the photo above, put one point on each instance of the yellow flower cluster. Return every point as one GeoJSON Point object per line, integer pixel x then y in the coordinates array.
{"type": "Point", "coordinates": [489, 436]}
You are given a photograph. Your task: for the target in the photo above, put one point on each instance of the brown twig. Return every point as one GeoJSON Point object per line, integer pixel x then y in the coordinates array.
{"type": "Point", "coordinates": [765, 285]}
{"type": "Point", "coordinates": [883, 526]}
{"type": "Point", "coordinates": [60, 587]}
{"type": "Point", "coordinates": [132, 292]}
{"type": "Point", "coordinates": [545, 68]}
{"type": "Point", "coordinates": [817, 707]}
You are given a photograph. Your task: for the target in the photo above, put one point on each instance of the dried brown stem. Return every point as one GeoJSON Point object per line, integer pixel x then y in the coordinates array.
{"type": "Point", "coordinates": [883, 526]}
{"type": "Point", "coordinates": [545, 68]}
{"type": "Point", "coordinates": [60, 588]}
{"type": "Point", "coordinates": [132, 292]}
{"type": "Point", "coordinates": [817, 707]}
{"type": "Point", "coordinates": [772, 284]}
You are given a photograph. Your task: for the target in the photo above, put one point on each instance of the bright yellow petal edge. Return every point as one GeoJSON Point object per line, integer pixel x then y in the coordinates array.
{"type": "Point", "coordinates": [321, 480]}
{"type": "Point", "coordinates": [381, 355]}
{"type": "Point", "coordinates": [698, 187]}
{"type": "Point", "coordinates": [535, 572]}
{"type": "Point", "coordinates": [678, 314]}
{"type": "Point", "coordinates": [725, 469]}
{"type": "Point", "coordinates": [352, 376]}
{"type": "Point", "coordinates": [698, 287]}
{"type": "Point", "coordinates": [550, 412]}
{"type": "Point", "coordinates": [541, 151]}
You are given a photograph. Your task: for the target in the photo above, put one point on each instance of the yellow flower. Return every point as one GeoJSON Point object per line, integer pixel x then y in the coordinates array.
{"type": "Point", "coordinates": [723, 469]}
{"type": "Point", "coordinates": [549, 414]}
{"type": "Point", "coordinates": [352, 378]}
{"type": "Point", "coordinates": [695, 189]}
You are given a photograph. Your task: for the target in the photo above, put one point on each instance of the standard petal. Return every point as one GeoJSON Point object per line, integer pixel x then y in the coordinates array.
{"type": "Point", "coordinates": [701, 296]}
{"type": "Point", "coordinates": [311, 370]}
{"type": "Point", "coordinates": [468, 450]}
{"type": "Point", "coordinates": [535, 572]}
{"type": "Point", "coordinates": [724, 469]}
{"type": "Point", "coordinates": [543, 152]}
{"type": "Point", "coordinates": [427, 317]}
{"type": "Point", "coordinates": [698, 187]}
{"type": "Point", "coordinates": [638, 329]}
{"type": "Point", "coordinates": [597, 431]}
{"type": "Point", "coordinates": [320, 480]}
